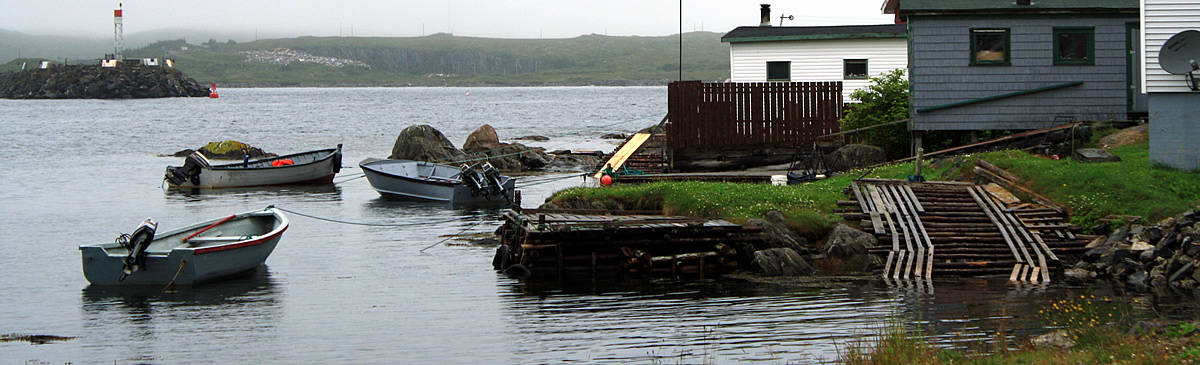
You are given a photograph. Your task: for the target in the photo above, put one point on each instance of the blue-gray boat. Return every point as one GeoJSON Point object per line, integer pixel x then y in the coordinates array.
{"type": "Point", "coordinates": [191, 255]}
{"type": "Point", "coordinates": [312, 167]}
{"type": "Point", "coordinates": [478, 184]}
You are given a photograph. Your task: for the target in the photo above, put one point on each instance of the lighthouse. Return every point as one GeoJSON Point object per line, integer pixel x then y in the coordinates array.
{"type": "Point", "coordinates": [118, 33]}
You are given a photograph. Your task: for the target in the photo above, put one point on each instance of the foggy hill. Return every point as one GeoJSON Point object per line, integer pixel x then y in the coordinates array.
{"type": "Point", "coordinates": [443, 59]}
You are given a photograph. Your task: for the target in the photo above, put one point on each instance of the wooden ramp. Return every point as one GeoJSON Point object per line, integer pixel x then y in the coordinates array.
{"type": "Point", "coordinates": [974, 232]}
{"type": "Point", "coordinates": [628, 149]}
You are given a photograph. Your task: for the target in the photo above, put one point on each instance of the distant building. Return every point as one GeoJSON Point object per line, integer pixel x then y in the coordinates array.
{"type": "Point", "coordinates": [149, 62]}
{"type": "Point", "coordinates": [1174, 107]}
{"type": "Point", "coordinates": [1020, 64]}
{"type": "Point", "coordinates": [851, 53]}
{"type": "Point", "coordinates": [108, 63]}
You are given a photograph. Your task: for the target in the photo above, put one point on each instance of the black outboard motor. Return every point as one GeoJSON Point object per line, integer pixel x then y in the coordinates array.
{"type": "Point", "coordinates": [474, 180]}
{"type": "Point", "coordinates": [136, 243]}
{"type": "Point", "coordinates": [190, 171]}
{"type": "Point", "coordinates": [495, 185]}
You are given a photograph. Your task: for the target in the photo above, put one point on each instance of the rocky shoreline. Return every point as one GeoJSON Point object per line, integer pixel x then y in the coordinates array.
{"type": "Point", "coordinates": [125, 81]}
{"type": "Point", "coordinates": [425, 143]}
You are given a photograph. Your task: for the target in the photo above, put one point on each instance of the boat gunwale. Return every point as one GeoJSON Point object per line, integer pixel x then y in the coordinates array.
{"type": "Point", "coordinates": [237, 166]}
{"type": "Point", "coordinates": [255, 240]}
{"type": "Point", "coordinates": [366, 166]}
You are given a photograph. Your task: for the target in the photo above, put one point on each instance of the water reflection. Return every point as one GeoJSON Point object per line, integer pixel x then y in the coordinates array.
{"type": "Point", "coordinates": [143, 319]}
{"type": "Point", "coordinates": [298, 193]}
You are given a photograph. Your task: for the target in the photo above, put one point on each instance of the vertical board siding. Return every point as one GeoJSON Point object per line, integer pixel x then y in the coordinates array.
{"type": "Point", "coordinates": [1163, 19]}
{"type": "Point", "coordinates": [941, 74]}
{"type": "Point", "coordinates": [761, 114]}
{"type": "Point", "coordinates": [818, 60]}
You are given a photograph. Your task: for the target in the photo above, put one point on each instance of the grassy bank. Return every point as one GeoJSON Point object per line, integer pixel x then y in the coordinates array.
{"type": "Point", "coordinates": [1091, 191]}
{"type": "Point", "coordinates": [1092, 331]}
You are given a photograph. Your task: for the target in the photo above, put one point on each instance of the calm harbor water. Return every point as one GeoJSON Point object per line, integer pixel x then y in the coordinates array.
{"type": "Point", "coordinates": [83, 171]}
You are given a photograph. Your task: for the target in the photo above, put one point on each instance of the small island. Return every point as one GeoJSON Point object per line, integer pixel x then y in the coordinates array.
{"type": "Point", "coordinates": [116, 80]}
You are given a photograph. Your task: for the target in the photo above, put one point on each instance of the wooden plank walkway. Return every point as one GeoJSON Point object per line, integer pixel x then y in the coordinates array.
{"type": "Point", "coordinates": [958, 229]}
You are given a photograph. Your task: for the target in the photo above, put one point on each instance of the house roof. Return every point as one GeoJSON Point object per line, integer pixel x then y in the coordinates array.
{"type": "Point", "coordinates": [1005, 6]}
{"type": "Point", "coordinates": [770, 34]}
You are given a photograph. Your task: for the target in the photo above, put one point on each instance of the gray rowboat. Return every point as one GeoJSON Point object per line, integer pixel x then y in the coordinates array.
{"type": "Point", "coordinates": [230, 246]}
{"type": "Point", "coordinates": [312, 167]}
{"type": "Point", "coordinates": [432, 181]}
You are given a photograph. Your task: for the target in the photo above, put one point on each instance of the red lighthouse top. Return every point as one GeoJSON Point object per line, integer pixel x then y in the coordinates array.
{"type": "Point", "coordinates": [117, 12]}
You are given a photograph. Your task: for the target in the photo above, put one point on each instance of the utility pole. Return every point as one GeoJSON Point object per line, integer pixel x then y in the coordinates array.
{"type": "Point", "coordinates": [680, 40]}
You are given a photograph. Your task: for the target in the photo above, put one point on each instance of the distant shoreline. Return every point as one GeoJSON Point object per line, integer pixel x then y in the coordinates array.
{"type": "Point", "coordinates": [241, 85]}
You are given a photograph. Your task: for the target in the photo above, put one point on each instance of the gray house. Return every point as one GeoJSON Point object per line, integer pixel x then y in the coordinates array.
{"type": "Point", "coordinates": [1020, 64]}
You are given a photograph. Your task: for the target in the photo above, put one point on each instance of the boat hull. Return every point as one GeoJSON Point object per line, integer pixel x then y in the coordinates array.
{"type": "Point", "coordinates": [403, 182]}
{"type": "Point", "coordinates": [168, 261]}
{"type": "Point", "coordinates": [321, 169]}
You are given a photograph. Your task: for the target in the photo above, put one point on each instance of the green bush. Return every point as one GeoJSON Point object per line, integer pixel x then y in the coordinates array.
{"type": "Point", "coordinates": [885, 100]}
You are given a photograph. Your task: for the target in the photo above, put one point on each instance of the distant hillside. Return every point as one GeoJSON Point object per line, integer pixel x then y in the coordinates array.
{"type": "Point", "coordinates": [442, 59]}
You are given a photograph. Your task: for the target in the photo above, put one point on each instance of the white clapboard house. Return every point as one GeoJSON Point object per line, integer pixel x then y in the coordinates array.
{"type": "Point", "coordinates": [848, 53]}
{"type": "Point", "coordinates": [1174, 105]}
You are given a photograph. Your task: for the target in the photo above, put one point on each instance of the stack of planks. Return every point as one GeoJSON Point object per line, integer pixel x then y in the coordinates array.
{"type": "Point", "coordinates": [558, 245]}
{"type": "Point", "coordinates": [959, 229]}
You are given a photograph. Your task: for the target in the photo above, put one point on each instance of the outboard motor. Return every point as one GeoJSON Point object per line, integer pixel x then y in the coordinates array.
{"type": "Point", "coordinates": [474, 180]}
{"type": "Point", "coordinates": [495, 185]}
{"type": "Point", "coordinates": [136, 243]}
{"type": "Point", "coordinates": [190, 171]}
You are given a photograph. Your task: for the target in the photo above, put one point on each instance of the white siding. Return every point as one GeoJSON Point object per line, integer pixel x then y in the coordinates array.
{"type": "Point", "coordinates": [1160, 20]}
{"type": "Point", "coordinates": [818, 60]}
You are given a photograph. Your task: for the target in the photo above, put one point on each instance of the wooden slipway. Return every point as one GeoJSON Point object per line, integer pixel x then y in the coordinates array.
{"type": "Point", "coordinates": [959, 229]}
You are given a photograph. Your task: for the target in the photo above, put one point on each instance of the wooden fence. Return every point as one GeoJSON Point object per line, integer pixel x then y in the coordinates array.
{"type": "Point", "coordinates": [717, 115]}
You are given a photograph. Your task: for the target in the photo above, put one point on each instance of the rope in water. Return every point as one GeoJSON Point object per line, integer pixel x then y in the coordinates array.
{"type": "Point", "coordinates": [355, 177]}
{"type": "Point", "coordinates": [451, 236]}
{"type": "Point", "coordinates": [425, 223]}
{"type": "Point", "coordinates": [551, 179]}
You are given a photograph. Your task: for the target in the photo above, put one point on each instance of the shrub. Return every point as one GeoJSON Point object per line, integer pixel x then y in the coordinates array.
{"type": "Point", "coordinates": [885, 100]}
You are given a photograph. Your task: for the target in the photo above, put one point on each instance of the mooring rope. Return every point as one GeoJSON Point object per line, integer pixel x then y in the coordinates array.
{"type": "Point", "coordinates": [172, 282]}
{"type": "Point", "coordinates": [552, 179]}
{"type": "Point", "coordinates": [451, 236]}
{"type": "Point", "coordinates": [355, 177]}
{"type": "Point", "coordinates": [425, 223]}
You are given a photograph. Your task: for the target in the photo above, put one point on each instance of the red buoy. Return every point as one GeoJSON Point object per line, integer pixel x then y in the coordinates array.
{"type": "Point", "coordinates": [212, 92]}
{"type": "Point", "coordinates": [606, 180]}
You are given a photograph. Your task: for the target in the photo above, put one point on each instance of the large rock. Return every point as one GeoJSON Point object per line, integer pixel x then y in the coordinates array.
{"type": "Point", "coordinates": [424, 143]}
{"type": "Point", "coordinates": [1094, 155]}
{"type": "Point", "coordinates": [777, 235]}
{"type": "Point", "coordinates": [854, 156]}
{"type": "Point", "coordinates": [781, 262]}
{"type": "Point", "coordinates": [482, 139]}
{"type": "Point", "coordinates": [227, 150]}
{"type": "Point", "coordinates": [128, 80]}
{"type": "Point", "coordinates": [844, 242]}
{"type": "Point", "coordinates": [850, 246]}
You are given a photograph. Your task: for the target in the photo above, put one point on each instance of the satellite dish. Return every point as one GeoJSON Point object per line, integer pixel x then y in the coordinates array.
{"type": "Point", "coordinates": [1180, 54]}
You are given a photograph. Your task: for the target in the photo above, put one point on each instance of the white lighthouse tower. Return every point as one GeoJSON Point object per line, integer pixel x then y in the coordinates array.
{"type": "Point", "coordinates": [118, 33]}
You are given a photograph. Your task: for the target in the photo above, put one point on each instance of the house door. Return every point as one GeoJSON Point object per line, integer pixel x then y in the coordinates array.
{"type": "Point", "coordinates": [1133, 61]}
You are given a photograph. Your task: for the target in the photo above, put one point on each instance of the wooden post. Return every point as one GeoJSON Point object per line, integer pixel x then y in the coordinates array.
{"type": "Point", "coordinates": [919, 149]}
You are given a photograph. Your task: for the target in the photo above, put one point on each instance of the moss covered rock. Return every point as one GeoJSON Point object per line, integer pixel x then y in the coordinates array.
{"type": "Point", "coordinates": [227, 150]}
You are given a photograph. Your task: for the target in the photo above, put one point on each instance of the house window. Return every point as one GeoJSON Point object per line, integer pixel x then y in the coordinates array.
{"type": "Point", "coordinates": [1075, 46]}
{"type": "Point", "coordinates": [779, 71]}
{"type": "Point", "coordinates": [854, 69]}
{"type": "Point", "coordinates": [990, 47]}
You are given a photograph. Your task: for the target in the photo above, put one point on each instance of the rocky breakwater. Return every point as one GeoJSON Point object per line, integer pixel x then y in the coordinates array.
{"type": "Point", "coordinates": [95, 82]}
{"type": "Point", "coordinates": [1159, 257]}
{"type": "Point", "coordinates": [425, 143]}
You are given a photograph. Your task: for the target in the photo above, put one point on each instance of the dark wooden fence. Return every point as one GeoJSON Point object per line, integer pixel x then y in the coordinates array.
{"type": "Point", "coordinates": [728, 114]}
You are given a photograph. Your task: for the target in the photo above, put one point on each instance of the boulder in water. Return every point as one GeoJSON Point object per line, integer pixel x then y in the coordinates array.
{"type": "Point", "coordinates": [482, 139]}
{"type": "Point", "coordinates": [226, 150]}
{"type": "Point", "coordinates": [424, 143]}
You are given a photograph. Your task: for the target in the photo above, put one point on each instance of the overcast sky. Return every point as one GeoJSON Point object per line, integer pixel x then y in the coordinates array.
{"type": "Point", "coordinates": [486, 18]}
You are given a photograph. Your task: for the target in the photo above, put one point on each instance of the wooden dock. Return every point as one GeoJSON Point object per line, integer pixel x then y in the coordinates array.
{"type": "Point", "coordinates": [550, 245]}
{"type": "Point", "coordinates": [959, 229]}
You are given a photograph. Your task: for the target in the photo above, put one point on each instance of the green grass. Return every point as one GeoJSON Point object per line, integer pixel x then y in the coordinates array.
{"type": "Point", "coordinates": [1099, 327]}
{"type": "Point", "coordinates": [1090, 191]}
{"type": "Point", "coordinates": [808, 207]}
